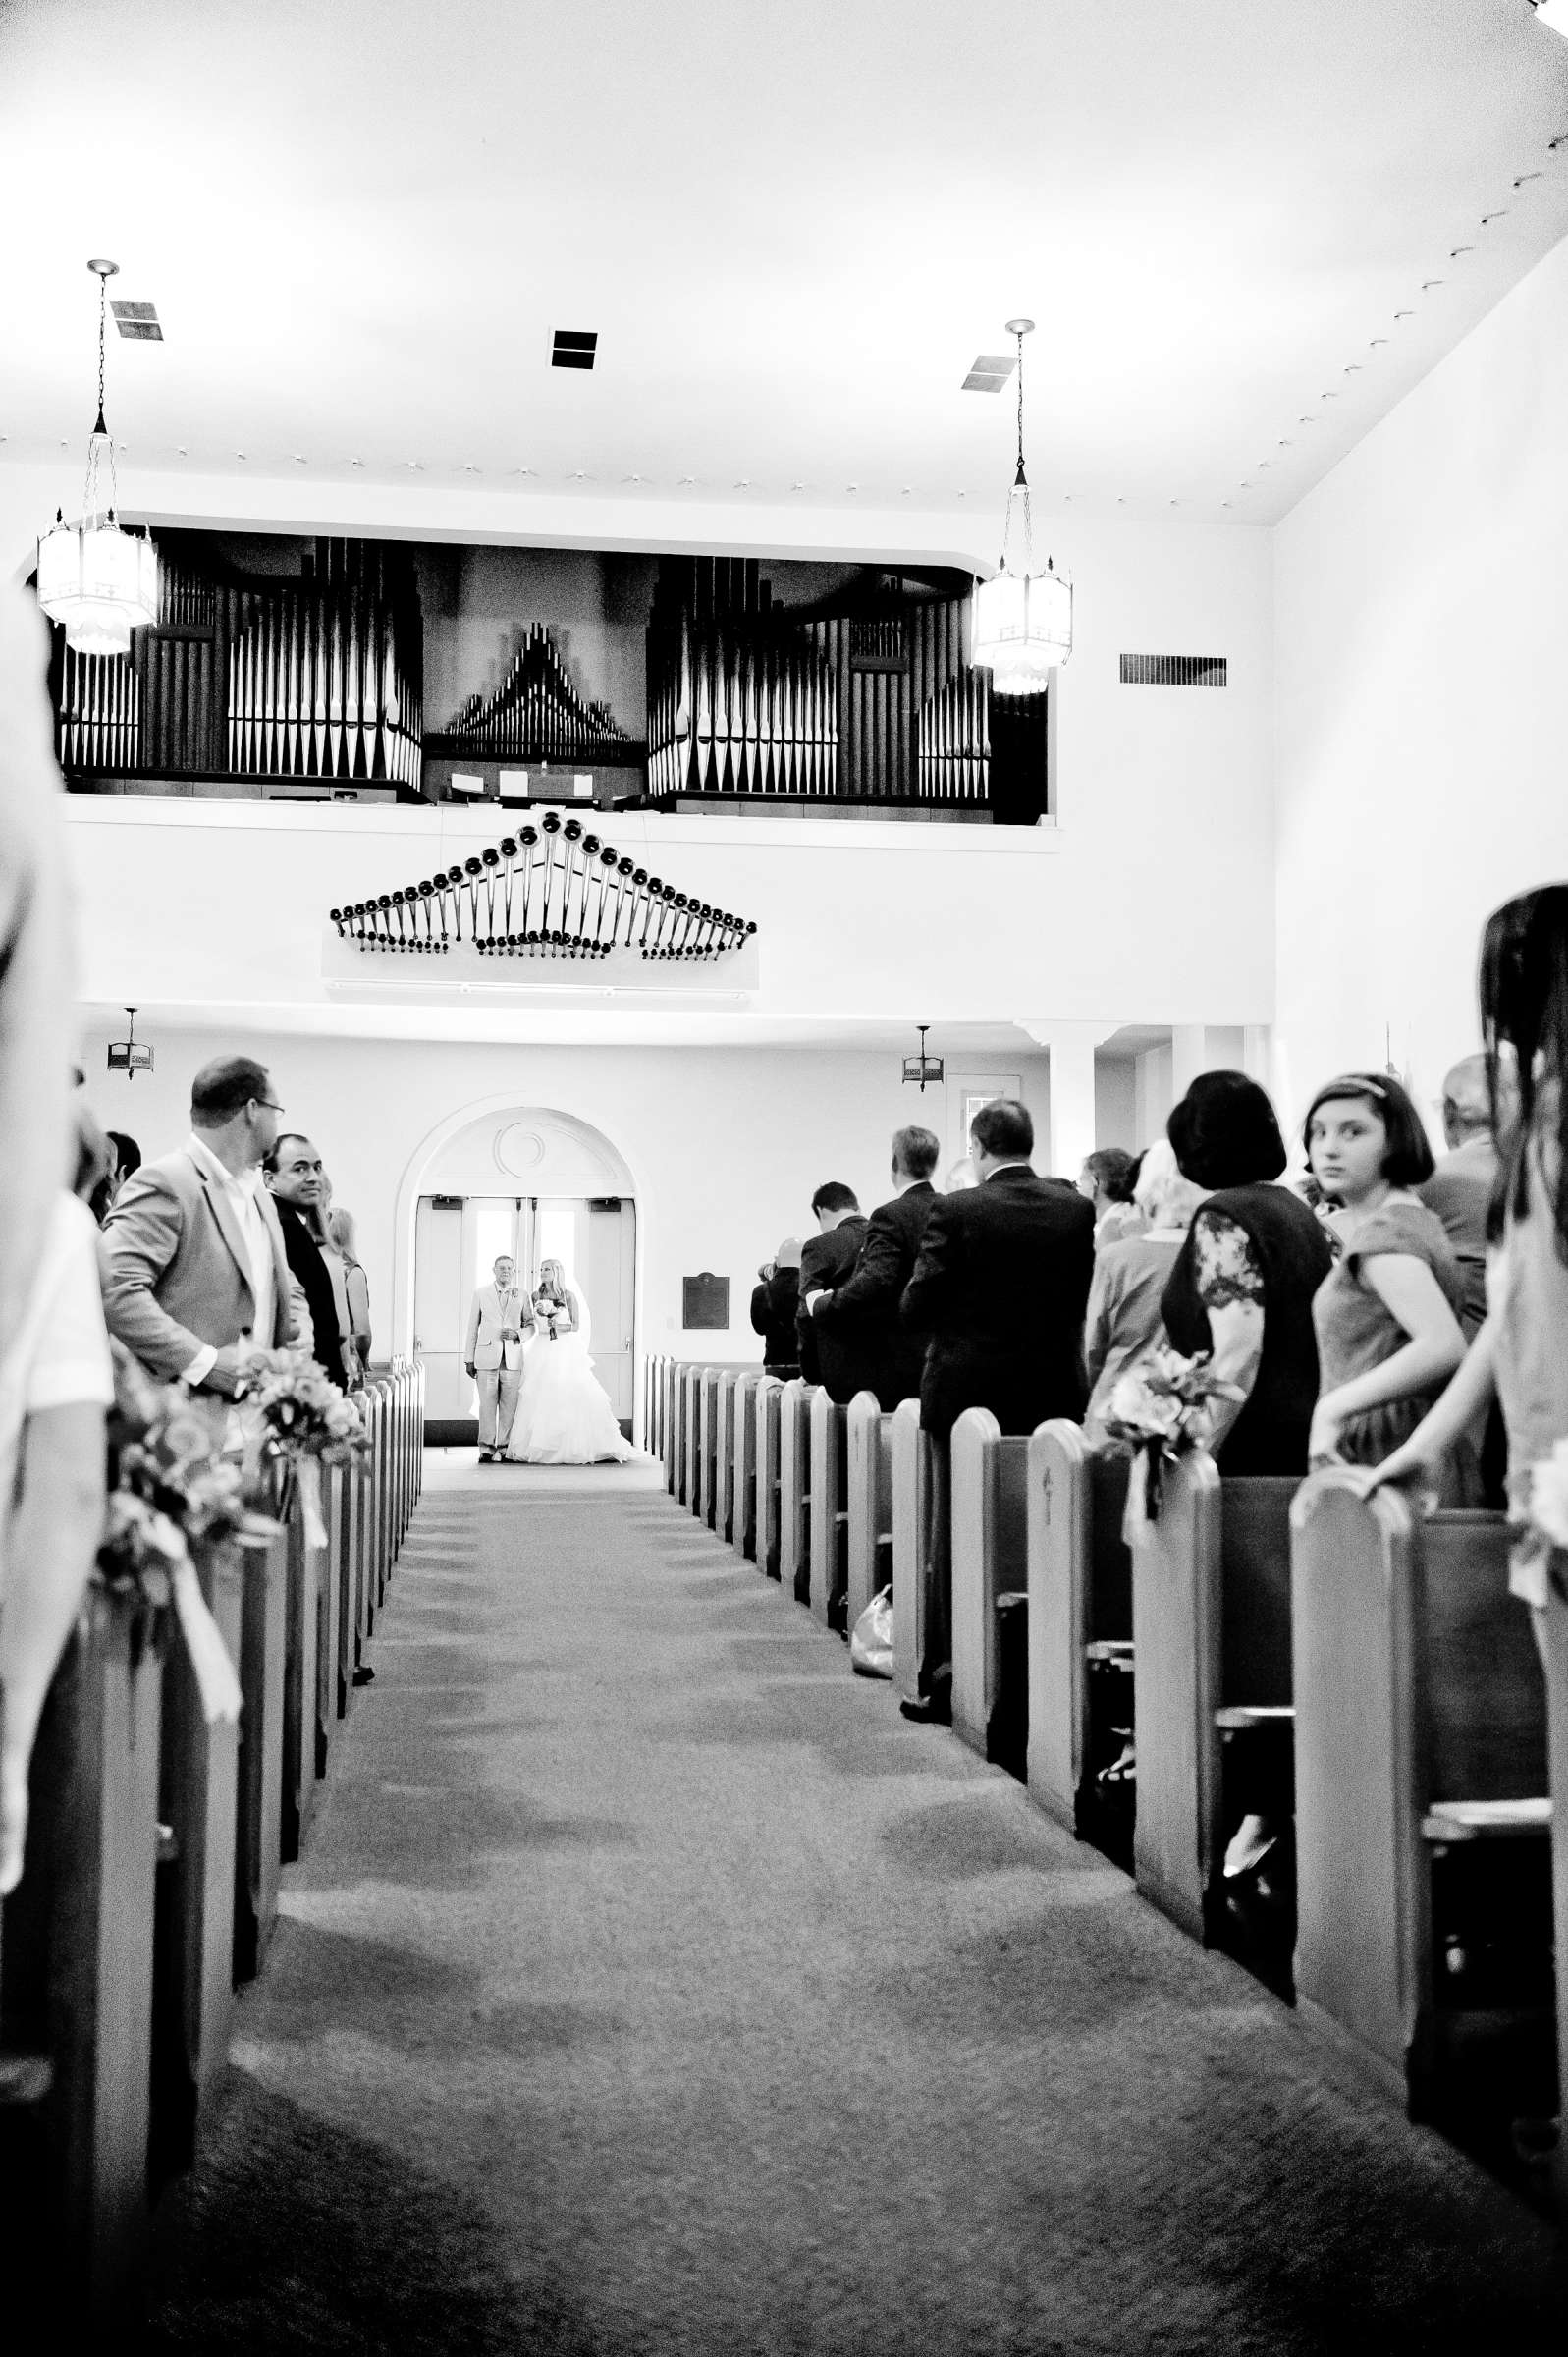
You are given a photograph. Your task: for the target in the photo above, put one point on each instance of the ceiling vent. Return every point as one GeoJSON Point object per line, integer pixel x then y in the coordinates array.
{"type": "Point", "coordinates": [573, 348]}
{"type": "Point", "coordinates": [1173, 671]}
{"type": "Point", "coordinates": [989, 371]}
{"type": "Point", "coordinates": [138, 322]}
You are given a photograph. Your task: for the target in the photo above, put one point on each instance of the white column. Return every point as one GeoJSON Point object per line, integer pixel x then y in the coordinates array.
{"type": "Point", "coordinates": [1203, 1047]}
{"type": "Point", "coordinates": [1072, 1109]}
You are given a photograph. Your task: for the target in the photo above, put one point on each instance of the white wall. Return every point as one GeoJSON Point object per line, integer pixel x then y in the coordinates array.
{"type": "Point", "coordinates": [724, 1148]}
{"type": "Point", "coordinates": [1421, 745]}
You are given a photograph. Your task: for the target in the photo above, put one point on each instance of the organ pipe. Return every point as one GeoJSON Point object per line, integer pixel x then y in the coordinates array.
{"type": "Point", "coordinates": [567, 894]}
{"type": "Point", "coordinates": [536, 714]}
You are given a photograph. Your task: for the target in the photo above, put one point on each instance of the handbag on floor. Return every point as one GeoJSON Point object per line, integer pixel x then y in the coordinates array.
{"type": "Point", "coordinates": [871, 1646]}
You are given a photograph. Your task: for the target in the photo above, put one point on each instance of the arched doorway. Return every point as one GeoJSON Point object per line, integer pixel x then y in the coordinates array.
{"type": "Point", "coordinates": [534, 1182]}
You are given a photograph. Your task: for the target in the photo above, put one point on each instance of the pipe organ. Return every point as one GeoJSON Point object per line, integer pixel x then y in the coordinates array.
{"type": "Point", "coordinates": [314, 675]}
{"type": "Point", "coordinates": [868, 696]}
{"type": "Point", "coordinates": [553, 891]}
{"type": "Point", "coordinates": [536, 714]}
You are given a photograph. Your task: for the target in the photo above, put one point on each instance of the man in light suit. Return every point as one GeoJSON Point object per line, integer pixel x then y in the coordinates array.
{"type": "Point", "coordinates": [195, 1275]}
{"type": "Point", "coordinates": [493, 1355]}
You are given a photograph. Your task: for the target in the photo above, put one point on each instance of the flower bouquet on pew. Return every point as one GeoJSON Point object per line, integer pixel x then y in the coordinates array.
{"type": "Point", "coordinates": [171, 1489]}
{"type": "Point", "coordinates": [293, 1420]}
{"type": "Point", "coordinates": [1158, 1412]}
{"type": "Point", "coordinates": [1541, 1544]}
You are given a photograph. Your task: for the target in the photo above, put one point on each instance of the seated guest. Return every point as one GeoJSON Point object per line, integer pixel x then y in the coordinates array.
{"type": "Point", "coordinates": [1107, 1178]}
{"type": "Point", "coordinates": [826, 1259]}
{"type": "Point", "coordinates": [861, 1341]}
{"type": "Point", "coordinates": [295, 1177]}
{"type": "Point", "coordinates": [1000, 1285]}
{"type": "Point", "coordinates": [1123, 1321]}
{"type": "Point", "coordinates": [197, 1276]}
{"type": "Point", "coordinates": [1386, 1317]}
{"type": "Point", "coordinates": [357, 1285]}
{"type": "Point", "coordinates": [1243, 1283]}
{"type": "Point", "coordinates": [775, 1301]}
{"type": "Point", "coordinates": [1461, 1188]}
{"type": "Point", "coordinates": [56, 1383]}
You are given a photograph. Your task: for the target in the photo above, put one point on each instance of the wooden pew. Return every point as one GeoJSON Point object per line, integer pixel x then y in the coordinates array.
{"type": "Point", "coordinates": [76, 1958]}
{"type": "Point", "coordinates": [706, 1445]}
{"type": "Point", "coordinates": [258, 1838]}
{"type": "Point", "coordinates": [868, 1502]}
{"type": "Point", "coordinates": [1080, 1630]}
{"type": "Point", "coordinates": [1210, 1624]}
{"type": "Point", "coordinates": [990, 1522]}
{"type": "Point", "coordinates": [828, 1442]}
{"type": "Point", "coordinates": [724, 1453]}
{"type": "Point", "coordinates": [1421, 1732]}
{"type": "Point", "coordinates": [690, 1380]}
{"type": "Point", "coordinates": [1557, 1746]}
{"type": "Point", "coordinates": [908, 1526]}
{"type": "Point", "coordinates": [770, 1395]}
{"type": "Point", "coordinates": [744, 1469]}
{"type": "Point", "coordinates": [794, 1489]}
{"type": "Point", "coordinates": [198, 1802]}
{"type": "Point", "coordinates": [302, 1634]}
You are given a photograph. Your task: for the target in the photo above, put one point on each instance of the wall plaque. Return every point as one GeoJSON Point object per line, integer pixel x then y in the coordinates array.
{"type": "Point", "coordinates": [705, 1300]}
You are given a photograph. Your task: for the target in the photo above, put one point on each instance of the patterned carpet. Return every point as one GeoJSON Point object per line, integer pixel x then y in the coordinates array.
{"type": "Point", "coordinates": [650, 1985]}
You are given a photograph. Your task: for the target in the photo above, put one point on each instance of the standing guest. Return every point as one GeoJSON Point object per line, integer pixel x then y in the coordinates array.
{"type": "Point", "coordinates": [1243, 1283]}
{"type": "Point", "coordinates": [826, 1259]}
{"type": "Point", "coordinates": [960, 1176]}
{"type": "Point", "coordinates": [775, 1302]}
{"type": "Point", "coordinates": [1000, 1285]}
{"type": "Point", "coordinates": [196, 1275]}
{"type": "Point", "coordinates": [492, 1353]}
{"type": "Point", "coordinates": [56, 1383]}
{"type": "Point", "coordinates": [1124, 1323]}
{"type": "Point", "coordinates": [357, 1285]}
{"type": "Point", "coordinates": [127, 1157]}
{"type": "Point", "coordinates": [1386, 1317]}
{"type": "Point", "coordinates": [1461, 1188]}
{"type": "Point", "coordinates": [1106, 1180]}
{"type": "Point", "coordinates": [296, 1180]}
{"type": "Point", "coordinates": [861, 1341]}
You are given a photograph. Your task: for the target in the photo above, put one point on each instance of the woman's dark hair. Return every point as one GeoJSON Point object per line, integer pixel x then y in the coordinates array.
{"type": "Point", "coordinates": [1113, 1170]}
{"type": "Point", "coordinates": [1407, 1157]}
{"type": "Point", "coordinates": [1523, 1006]}
{"type": "Point", "coordinates": [1223, 1133]}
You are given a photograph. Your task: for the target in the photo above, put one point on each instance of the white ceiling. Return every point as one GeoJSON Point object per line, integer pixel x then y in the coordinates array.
{"type": "Point", "coordinates": [793, 229]}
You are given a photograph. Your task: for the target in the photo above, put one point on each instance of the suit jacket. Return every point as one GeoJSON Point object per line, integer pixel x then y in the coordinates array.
{"type": "Point", "coordinates": [177, 1272]}
{"type": "Point", "coordinates": [773, 1306]}
{"type": "Point", "coordinates": [482, 1345]}
{"type": "Point", "coordinates": [315, 1281]}
{"type": "Point", "coordinates": [861, 1341]}
{"type": "Point", "coordinates": [1000, 1286]}
{"type": "Point", "coordinates": [1459, 1192]}
{"type": "Point", "coordinates": [825, 1260]}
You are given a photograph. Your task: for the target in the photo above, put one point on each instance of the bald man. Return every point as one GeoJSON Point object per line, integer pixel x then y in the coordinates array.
{"type": "Point", "coordinates": [1460, 1189]}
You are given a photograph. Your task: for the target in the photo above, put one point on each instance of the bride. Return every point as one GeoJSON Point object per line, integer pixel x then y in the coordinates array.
{"type": "Point", "coordinates": [564, 1415]}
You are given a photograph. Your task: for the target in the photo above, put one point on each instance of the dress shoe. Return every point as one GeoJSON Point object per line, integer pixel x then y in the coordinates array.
{"type": "Point", "coordinates": [932, 1710]}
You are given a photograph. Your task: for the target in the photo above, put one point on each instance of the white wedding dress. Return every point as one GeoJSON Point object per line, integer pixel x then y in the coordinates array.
{"type": "Point", "coordinates": [563, 1413]}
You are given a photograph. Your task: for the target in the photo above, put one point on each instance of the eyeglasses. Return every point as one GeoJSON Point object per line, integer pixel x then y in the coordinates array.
{"type": "Point", "coordinates": [270, 1103]}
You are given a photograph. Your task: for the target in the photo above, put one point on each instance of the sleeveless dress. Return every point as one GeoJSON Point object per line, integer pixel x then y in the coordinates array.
{"type": "Point", "coordinates": [1357, 1331]}
{"type": "Point", "coordinates": [563, 1413]}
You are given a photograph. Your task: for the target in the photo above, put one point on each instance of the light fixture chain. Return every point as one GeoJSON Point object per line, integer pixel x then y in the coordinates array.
{"type": "Point", "coordinates": [1020, 486]}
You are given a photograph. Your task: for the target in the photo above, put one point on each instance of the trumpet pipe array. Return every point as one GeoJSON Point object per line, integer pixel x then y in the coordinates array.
{"type": "Point", "coordinates": [536, 714]}
{"type": "Point", "coordinates": [553, 891]}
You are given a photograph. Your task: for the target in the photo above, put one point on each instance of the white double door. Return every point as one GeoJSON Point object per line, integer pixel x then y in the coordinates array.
{"type": "Point", "coordinates": [458, 1238]}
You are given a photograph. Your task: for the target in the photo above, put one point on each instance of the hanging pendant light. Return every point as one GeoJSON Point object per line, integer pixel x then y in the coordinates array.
{"type": "Point", "coordinates": [1023, 621]}
{"type": "Point", "coordinates": [99, 581]}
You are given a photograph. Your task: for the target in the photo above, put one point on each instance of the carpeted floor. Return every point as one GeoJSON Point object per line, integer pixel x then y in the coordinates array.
{"type": "Point", "coordinates": [650, 1985]}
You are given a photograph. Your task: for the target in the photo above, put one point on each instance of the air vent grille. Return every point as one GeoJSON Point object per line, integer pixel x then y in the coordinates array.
{"type": "Point", "coordinates": [575, 348]}
{"type": "Point", "coordinates": [989, 371]}
{"type": "Point", "coordinates": [138, 322]}
{"type": "Point", "coordinates": [1173, 671]}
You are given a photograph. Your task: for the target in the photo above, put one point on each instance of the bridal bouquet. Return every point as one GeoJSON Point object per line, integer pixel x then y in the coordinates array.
{"type": "Point", "coordinates": [1155, 1411]}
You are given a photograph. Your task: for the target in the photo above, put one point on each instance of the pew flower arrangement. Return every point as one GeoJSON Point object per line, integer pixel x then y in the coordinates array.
{"type": "Point", "coordinates": [172, 1489]}
{"type": "Point", "coordinates": [293, 1421]}
{"type": "Point", "coordinates": [1546, 1527]}
{"type": "Point", "coordinates": [1156, 1412]}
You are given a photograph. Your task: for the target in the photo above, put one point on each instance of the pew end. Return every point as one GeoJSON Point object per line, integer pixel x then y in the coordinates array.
{"type": "Point", "coordinates": [868, 1502]}
{"type": "Point", "coordinates": [910, 1506]}
{"type": "Point", "coordinates": [1080, 1638]}
{"type": "Point", "coordinates": [990, 1474]}
{"type": "Point", "coordinates": [828, 1511]}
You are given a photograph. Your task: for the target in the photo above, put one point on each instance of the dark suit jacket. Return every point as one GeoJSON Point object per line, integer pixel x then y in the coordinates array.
{"type": "Point", "coordinates": [825, 1260]}
{"type": "Point", "coordinates": [774, 1304]}
{"type": "Point", "coordinates": [305, 1259]}
{"type": "Point", "coordinates": [1000, 1286]}
{"type": "Point", "coordinates": [861, 1341]}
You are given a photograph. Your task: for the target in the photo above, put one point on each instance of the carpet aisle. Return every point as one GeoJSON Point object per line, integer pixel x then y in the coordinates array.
{"type": "Point", "coordinates": [650, 1985]}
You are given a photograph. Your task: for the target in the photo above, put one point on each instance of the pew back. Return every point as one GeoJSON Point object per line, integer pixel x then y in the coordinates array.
{"type": "Point", "coordinates": [990, 1521]}
{"type": "Point", "coordinates": [910, 1510]}
{"type": "Point", "coordinates": [868, 1502]}
{"type": "Point", "coordinates": [770, 1396]}
{"type": "Point", "coordinates": [794, 1487]}
{"type": "Point", "coordinates": [828, 1444]}
{"type": "Point", "coordinates": [743, 1510]}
